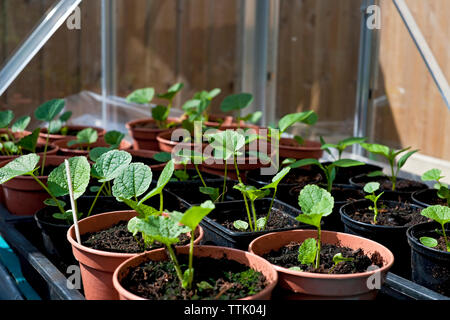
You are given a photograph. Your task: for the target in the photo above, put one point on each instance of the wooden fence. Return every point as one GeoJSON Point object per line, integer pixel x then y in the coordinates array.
{"type": "Point", "coordinates": [160, 42]}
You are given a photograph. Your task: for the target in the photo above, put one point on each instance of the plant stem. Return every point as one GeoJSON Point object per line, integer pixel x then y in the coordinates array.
{"type": "Point", "coordinates": [224, 180]}
{"type": "Point", "coordinates": [175, 262]}
{"type": "Point", "coordinates": [95, 200]}
{"type": "Point", "coordinates": [393, 175]}
{"type": "Point", "coordinates": [245, 197]}
{"type": "Point", "coordinates": [237, 169]}
{"type": "Point", "coordinates": [319, 238]}
{"type": "Point", "coordinates": [48, 191]}
{"type": "Point", "coordinates": [45, 155]}
{"type": "Point", "coordinates": [270, 208]}
{"type": "Point", "coordinates": [191, 258]}
{"type": "Point", "coordinates": [445, 239]}
{"type": "Point", "coordinates": [254, 215]}
{"type": "Point", "coordinates": [161, 203]}
{"type": "Point", "coordinates": [200, 175]}
{"type": "Point", "coordinates": [375, 210]}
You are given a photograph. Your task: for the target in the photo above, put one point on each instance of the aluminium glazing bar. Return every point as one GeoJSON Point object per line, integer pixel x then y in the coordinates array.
{"type": "Point", "coordinates": [43, 31]}
{"type": "Point", "coordinates": [424, 49]}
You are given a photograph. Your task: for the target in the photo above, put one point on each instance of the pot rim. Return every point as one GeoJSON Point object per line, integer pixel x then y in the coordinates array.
{"type": "Point", "coordinates": [122, 291]}
{"type": "Point", "coordinates": [385, 268]}
{"type": "Point", "coordinates": [99, 130]}
{"type": "Point", "coordinates": [379, 227]}
{"type": "Point", "coordinates": [130, 125]}
{"type": "Point", "coordinates": [352, 182]}
{"type": "Point", "coordinates": [83, 248]}
{"type": "Point", "coordinates": [311, 148]}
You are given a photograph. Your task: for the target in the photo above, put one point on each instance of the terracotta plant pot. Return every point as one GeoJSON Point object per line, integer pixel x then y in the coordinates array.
{"type": "Point", "coordinates": [55, 137]}
{"type": "Point", "coordinates": [166, 144]}
{"type": "Point", "coordinates": [245, 258]}
{"type": "Point", "coordinates": [23, 195]}
{"type": "Point", "coordinates": [326, 286]}
{"type": "Point", "coordinates": [217, 121]}
{"type": "Point", "coordinates": [97, 266]}
{"type": "Point", "coordinates": [51, 150]}
{"type": "Point", "coordinates": [289, 148]}
{"type": "Point", "coordinates": [72, 151]}
{"type": "Point", "coordinates": [145, 138]}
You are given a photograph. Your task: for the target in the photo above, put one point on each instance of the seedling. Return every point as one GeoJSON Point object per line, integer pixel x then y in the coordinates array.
{"type": "Point", "coordinates": [238, 102]}
{"type": "Point", "coordinates": [390, 155]}
{"type": "Point", "coordinates": [306, 117]}
{"type": "Point", "coordinates": [160, 113]}
{"type": "Point", "coordinates": [113, 139]}
{"type": "Point", "coordinates": [440, 214]}
{"type": "Point", "coordinates": [328, 170]}
{"type": "Point", "coordinates": [8, 144]}
{"type": "Point", "coordinates": [340, 146]}
{"type": "Point", "coordinates": [47, 113]}
{"type": "Point", "coordinates": [371, 187]}
{"type": "Point", "coordinates": [86, 136]}
{"type": "Point", "coordinates": [166, 230]}
{"type": "Point", "coordinates": [315, 203]}
{"type": "Point", "coordinates": [196, 109]}
{"type": "Point", "coordinates": [338, 258]}
{"type": "Point", "coordinates": [253, 193]}
{"type": "Point", "coordinates": [443, 191]}
{"type": "Point", "coordinates": [57, 182]}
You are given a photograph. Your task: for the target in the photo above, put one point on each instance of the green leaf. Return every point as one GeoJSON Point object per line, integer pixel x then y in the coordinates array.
{"type": "Point", "coordinates": [159, 228]}
{"type": "Point", "coordinates": [65, 116]}
{"type": "Point", "coordinates": [432, 175]}
{"type": "Point", "coordinates": [10, 147]}
{"type": "Point", "coordinates": [428, 242]}
{"type": "Point", "coordinates": [29, 142]}
{"type": "Point", "coordinates": [311, 219]}
{"type": "Point", "coordinates": [307, 251]}
{"type": "Point", "coordinates": [163, 157]}
{"type": "Point", "coordinates": [49, 110]}
{"type": "Point", "coordinates": [315, 200]}
{"type": "Point", "coordinates": [172, 91]}
{"type": "Point", "coordinates": [110, 165]}
{"type": "Point", "coordinates": [345, 163]}
{"type": "Point", "coordinates": [114, 138]}
{"type": "Point", "coordinates": [80, 175]}
{"type": "Point", "coordinates": [87, 135]}
{"type": "Point", "coordinates": [5, 118]}
{"type": "Point", "coordinates": [195, 214]}
{"type": "Point", "coordinates": [236, 102]}
{"type": "Point", "coordinates": [338, 258]}
{"type": "Point", "coordinates": [350, 141]}
{"type": "Point", "coordinates": [438, 213]}
{"type": "Point", "coordinates": [226, 143]}
{"type": "Point", "coordinates": [143, 210]}
{"type": "Point", "coordinates": [307, 117]}
{"type": "Point", "coordinates": [163, 179]}
{"type": "Point", "coordinates": [203, 285]}
{"type": "Point", "coordinates": [299, 140]}
{"type": "Point", "coordinates": [134, 180]}
{"type": "Point", "coordinates": [404, 158]}
{"type": "Point", "coordinates": [160, 113]}
{"type": "Point", "coordinates": [260, 223]}
{"type": "Point", "coordinates": [181, 175]}
{"type": "Point", "coordinates": [20, 166]}
{"type": "Point", "coordinates": [187, 276]}
{"type": "Point", "coordinates": [377, 173]}
{"type": "Point", "coordinates": [141, 96]}
{"type": "Point", "coordinates": [371, 187]}
{"type": "Point", "coordinates": [240, 225]}
{"type": "Point", "coordinates": [54, 126]}
{"type": "Point", "coordinates": [252, 117]}
{"type": "Point", "coordinates": [97, 152]}
{"type": "Point", "coordinates": [52, 203]}
{"type": "Point", "coordinates": [305, 162]}
{"type": "Point", "coordinates": [376, 149]}
{"type": "Point", "coordinates": [21, 124]}
{"type": "Point", "coordinates": [214, 193]}
{"type": "Point", "coordinates": [295, 269]}
{"type": "Point", "coordinates": [277, 178]}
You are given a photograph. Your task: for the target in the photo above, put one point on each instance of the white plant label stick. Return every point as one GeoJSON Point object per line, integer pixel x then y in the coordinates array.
{"type": "Point", "coordinates": [72, 201]}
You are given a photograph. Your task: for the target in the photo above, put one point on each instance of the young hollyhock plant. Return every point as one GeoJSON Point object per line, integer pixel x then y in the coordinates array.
{"type": "Point", "coordinates": [341, 145]}
{"type": "Point", "coordinates": [315, 203]}
{"type": "Point", "coordinates": [167, 229]}
{"type": "Point", "coordinates": [440, 214]}
{"type": "Point", "coordinates": [371, 187]}
{"type": "Point", "coordinates": [443, 191]}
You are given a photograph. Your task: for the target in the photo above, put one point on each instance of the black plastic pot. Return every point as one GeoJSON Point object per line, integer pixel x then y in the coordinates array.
{"type": "Point", "coordinates": [192, 195]}
{"type": "Point", "coordinates": [54, 231]}
{"type": "Point", "coordinates": [394, 238]}
{"type": "Point", "coordinates": [343, 175]}
{"type": "Point", "coordinates": [256, 179]}
{"type": "Point", "coordinates": [217, 234]}
{"type": "Point", "coordinates": [427, 197]}
{"type": "Point", "coordinates": [430, 267]}
{"type": "Point", "coordinates": [398, 195]}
